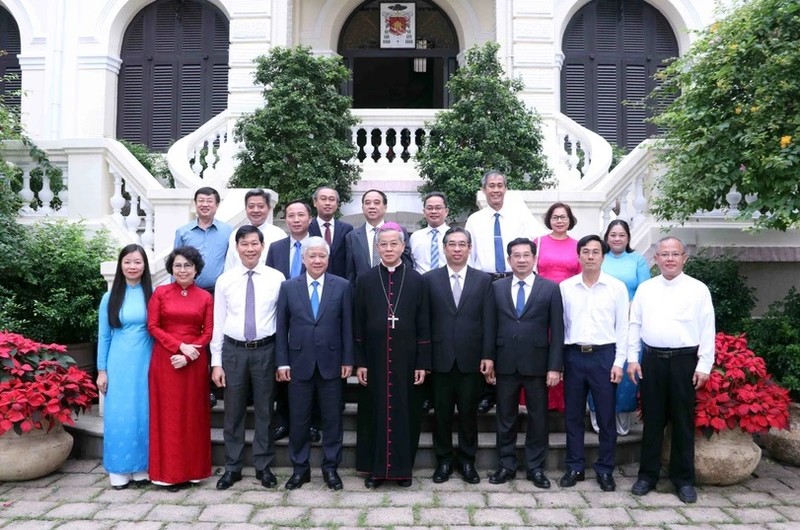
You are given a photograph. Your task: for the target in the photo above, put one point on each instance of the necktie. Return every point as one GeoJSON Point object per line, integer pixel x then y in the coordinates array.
{"type": "Point", "coordinates": [328, 237]}
{"type": "Point", "coordinates": [456, 288]}
{"type": "Point", "coordinates": [296, 261]}
{"type": "Point", "coordinates": [434, 248]}
{"type": "Point", "coordinates": [520, 298]}
{"type": "Point", "coordinates": [315, 298]}
{"type": "Point", "coordinates": [250, 309]}
{"type": "Point", "coordinates": [375, 258]}
{"type": "Point", "coordinates": [499, 262]}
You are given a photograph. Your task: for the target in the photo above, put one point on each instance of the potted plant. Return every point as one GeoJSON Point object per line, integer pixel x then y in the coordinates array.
{"type": "Point", "coordinates": [41, 389]}
{"type": "Point", "coordinates": [739, 399]}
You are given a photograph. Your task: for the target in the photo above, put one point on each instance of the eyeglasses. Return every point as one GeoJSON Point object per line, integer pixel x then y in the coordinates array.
{"type": "Point", "coordinates": [186, 265]}
{"type": "Point", "coordinates": [559, 218]}
{"type": "Point", "coordinates": [434, 208]}
{"type": "Point", "coordinates": [389, 244]}
{"type": "Point", "coordinates": [457, 244]}
{"type": "Point", "coordinates": [526, 255]}
{"type": "Point", "coordinates": [673, 255]}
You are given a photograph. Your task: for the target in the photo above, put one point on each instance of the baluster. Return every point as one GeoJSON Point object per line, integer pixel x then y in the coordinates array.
{"type": "Point", "coordinates": [148, 236]}
{"type": "Point", "coordinates": [734, 198]}
{"type": "Point", "coordinates": [197, 167]}
{"type": "Point", "coordinates": [46, 194]}
{"type": "Point", "coordinates": [624, 209]}
{"type": "Point", "coordinates": [413, 148]}
{"type": "Point", "coordinates": [639, 200]}
{"type": "Point", "coordinates": [63, 193]}
{"type": "Point", "coordinates": [26, 193]}
{"type": "Point", "coordinates": [133, 220]}
{"type": "Point", "coordinates": [210, 173]}
{"type": "Point", "coordinates": [383, 147]}
{"type": "Point", "coordinates": [117, 201]}
{"type": "Point", "coordinates": [751, 198]}
{"type": "Point", "coordinates": [606, 216]}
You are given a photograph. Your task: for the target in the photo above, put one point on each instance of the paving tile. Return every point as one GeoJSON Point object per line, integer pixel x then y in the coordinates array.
{"type": "Point", "coordinates": [32, 524]}
{"type": "Point", "coordinates": [23, 508]}
{"type": "Point", "coordinates": [42, 482]}
{"type": "Point", "coordinates": [734, 527]}
{"type": "Point", "coordinates": [692, 526]}
{"type": "Point", "coordinates": [657, 498]}
{"type": "Point", "coordinates": [191, 526]}
{"type": "Point", "coordinates": [571, 499]}
{"type": "Point", "coordinates": [605, 516]}
{"type": "Point", "coordinates": [512, 500]}
{"type": "Point", "coordinates": [462, 499]}
{"type": "Point", "coordinates": [775, 526]}
{"type": "Point", "coordinates": [84, 524]}
{"type": "Point", "coordinates": [701, 514]}
{"type": "Point", "coordinates": [262, 497]}
{"type": "Point", "coordinates": [335, 516]}
{"type": "Point", "coordinates": [552, 516]}
{"type": "Point", "coordinates": [26, 493]}
{"type": "Point", "coordinates": [790, 512]}
{"type": "Point", "coordinates": [362, 499]}
{"type": "Point", "coordinates": [124, 512]}
{"type": "Point", "coordinates": [221, 513]}
{"type": "Point", "coordinates": [787, 497]}
{"type": "Point", "coordinates": [209, 496]}
{"type": "Point", "coordinates": [127, 496]}
{"type": "Point", "coordinates": [83, 493]}
{"type": "Point", "coordinates": [769, 484]}
{"type": "Point", "coordinates": [502, 516]}
{"type": "Point", "coordinates": [75, 510]}
{"type": "Point", "coordinates": [412, 498]}
{"type": "Point", "coordinates": [82, 466]}
{"type": "Point", "coordinates": [390, 516]}
{"type": "Point", "coordinates": [610, 499]}
{"type": "Point", "coordinates": [311, 498]}
{"type": "Point", "coordinates": [755, 515]}
{"type": "Point", "coordinates": [279, 514]}
{"type": "Point", "coordinates": [138, 525]}
{"type": "Point", "coordinates": [444, 516]}
{"type": "Point", "coordinates": [241, 526]}
{"type": "Point", "coordinates": [754, 498]}
{"type": "Point", "coordinates": [656, 516]}
{"type": "Point", "coordinates": [73, 480]}
{"type": "Point", "coordinates": [173, 513]}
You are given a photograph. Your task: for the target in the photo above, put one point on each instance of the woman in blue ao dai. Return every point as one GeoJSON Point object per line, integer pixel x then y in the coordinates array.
{"type": "Point", "coordinates": [123, 358]}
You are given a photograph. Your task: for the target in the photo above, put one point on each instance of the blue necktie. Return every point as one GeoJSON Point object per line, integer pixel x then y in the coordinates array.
{"type": "Point", "coordinates": [296, 261]}
{"type": "Point", "coordinates": [499, 260]}
{"type": "Point", "coordinates": [520, 298]}
{"type": "Point", "coordinates": [315, 298]}
{"type": "Point", "coordinates": [434, 249]}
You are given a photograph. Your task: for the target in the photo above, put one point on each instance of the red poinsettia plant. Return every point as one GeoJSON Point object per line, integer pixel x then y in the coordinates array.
{"type": "Point", "coordinates": [739, 392]}
{"type": "Point", "coordinates": [40, 385]}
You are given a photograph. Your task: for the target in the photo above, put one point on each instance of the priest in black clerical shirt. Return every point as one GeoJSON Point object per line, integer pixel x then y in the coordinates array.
{"type": "Point", "coordinates": [392, 350]}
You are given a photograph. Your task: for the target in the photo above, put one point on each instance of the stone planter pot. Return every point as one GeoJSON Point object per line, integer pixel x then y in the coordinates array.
{"type": "Point", "coordinates": [783, 445]}
{"type": "Point", "coordinates": [724, 459]}
{"type": "Point", "coordinates": [33, 454]}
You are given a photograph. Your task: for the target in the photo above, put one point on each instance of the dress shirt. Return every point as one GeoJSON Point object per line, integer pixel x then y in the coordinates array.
{"type": "Point", "coordinates": [420, 243]}
{"type": "Point", "coordinates": [229, 304]}
{"type": "Point", "coordinates": [370, 236]}
{"type": "Point", "coordinates": [212, 242]}
{"type": "Point", "coordinates": [528, 286]}
{"type": "Point", "coordinates": [675, 313]}
{"type": "Point", "coordinates": [597, 314]}
{"type": "Point", "coordinates": [321, 222]}
{"type": "Point", "coordinates": [462, 275]}
{"type": "Point", "coordinates": [480, 225]}
{"type": "Point", "coordinates": [271, 234]}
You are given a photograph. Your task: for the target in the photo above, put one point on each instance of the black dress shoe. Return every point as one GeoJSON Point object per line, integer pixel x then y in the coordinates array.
{"type": "Point", "coordinates": [468, 474]}
{"type": "Point", "coordinates": [442, 473]}
{"type": "Point", "coordinates": [371, 482]}
{"type": "Point", "coordinates": [313, 435]}
{"type": "Point", "coordinates": [485, 405]}
{"type": "Point", "coordinates": [571, 478]}
{"type": "Point", "coordinates": [501, 476]}
{"type": "Point", "coordinates": [606, 481]}
{"type": "Point", "coordinates": [121, 487]}
{"type": "Point", "coordinates": [172, 488]}
{"type": "Point", "coordinates": [538, 478]}
{"type": "Point", "coordinates": [405, 483]}
{"type": "Point", "coordinates": [280, 432]}
{"type": "Point", "coordinates": [213, 400]}
{"type": "Point", "coordinates": [228, 479]}
{"type": "Point", "coordinates": [266, 477]}
{"type": "Point", "coordinates": [642, 487]}
{"type": "Point", "coordinates": [427, 406]}
{"type": "Point", "coordinates": [141, 483]}
{"type": "Point", "coordinates": [332, 479]}
{"type": "Point", "coordinates": [297, 480]}
{"type": "Point", "coordinates": [687, 494]}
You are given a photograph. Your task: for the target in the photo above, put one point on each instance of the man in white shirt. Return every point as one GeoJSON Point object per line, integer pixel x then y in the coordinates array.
{"type": "Point", "coordinates": [257, 207]}
{"type": "Point", "coordinates": [595, 333]}
{"type": "Point", "coordinates": [426, 244]}
{"type": "Point", "coordinates": [243, 355]}
{"type": "Point", "coordinates": [673, 317]}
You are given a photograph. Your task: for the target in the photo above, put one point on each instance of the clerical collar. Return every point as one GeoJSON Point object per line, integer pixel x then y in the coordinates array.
{"type": "Point", "coordinates": [391, 269]}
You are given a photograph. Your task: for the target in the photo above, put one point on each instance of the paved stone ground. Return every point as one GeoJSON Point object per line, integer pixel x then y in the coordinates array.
{"type": "Point", "coordinates": [78, 497]}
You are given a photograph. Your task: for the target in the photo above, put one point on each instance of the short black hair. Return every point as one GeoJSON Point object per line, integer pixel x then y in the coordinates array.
{"type": "Point", "coordinates": [434, 194]}
{"type": "Point", "coordinates": [206, 190]}
{"type": "Point", "coordinates": [549, 213]}
{"type": "Point", "coordinates": [191, 254]}
{"type": "Point", "coordinates": [258, 193]}
{"type": "Point", "coordinates": [246, 230]}
{"type": "Point", "coordinates": [585, 240]}
{"type": "Point", "coordinates": [298, 201]}
{"type": "Point", "coordinates": [520, 241]}
{"type": "Point", "coordinates": [379, 192]}
{"type": "Point", "coordinates": [456, 230]}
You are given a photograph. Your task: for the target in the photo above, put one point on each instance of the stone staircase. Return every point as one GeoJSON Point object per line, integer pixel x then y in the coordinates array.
{"type": "Point", "coordinates": [88, 433]}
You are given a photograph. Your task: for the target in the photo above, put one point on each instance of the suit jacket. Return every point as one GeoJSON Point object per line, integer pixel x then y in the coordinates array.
{"type": "Point", "coordinates": [533, 343]}
{"type": "Point", "coordinates": [278, 257]}
{"type": "Point", "coordinates": [463, 335]}
{"type": "Point", "coordinates": [359, 259]}
{"type": "Point", "coordinates": [303, 342]}
{"type": "Point", "coordinates": [337, 263]}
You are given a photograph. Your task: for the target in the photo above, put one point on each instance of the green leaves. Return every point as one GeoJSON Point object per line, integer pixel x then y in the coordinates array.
{"type": "Point", "coordinates": [737, 118]}
{"type": "Point", "coordinates": [488, 127]}
{"type": "Point", "coordinates": [300, 139]}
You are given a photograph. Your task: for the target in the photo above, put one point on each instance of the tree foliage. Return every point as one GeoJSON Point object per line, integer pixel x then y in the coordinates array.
{"type": "Point", "coordinates": [735, 120]}
{"type": "Point", "coordinates": [488, 127]}
{"type": "Point", "coordinates": [300, 139]}
{"type": "Point", "coordinates": [733, 299]}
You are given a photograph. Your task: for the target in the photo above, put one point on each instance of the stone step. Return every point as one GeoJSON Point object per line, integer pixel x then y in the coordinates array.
{"type": "Point", "coordinates": [88, 433]}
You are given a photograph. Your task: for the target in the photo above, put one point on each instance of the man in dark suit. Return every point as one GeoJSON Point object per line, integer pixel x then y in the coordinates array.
{"type": "Point", "coordinates": [285, 255]}
{"type": "Point", "coordinates": [361, 247]}
{"type": "Point", "coordinates": [462, 313]}
{"type": "Point", "coordinates": [530, 340]}
{"type": "Point", "coordinates": [314, 350]}
{"type": "Point", "coordinates": [333, 231]}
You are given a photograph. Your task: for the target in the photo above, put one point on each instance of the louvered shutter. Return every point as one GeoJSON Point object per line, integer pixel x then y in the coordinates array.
{"type": "Point", "coordinates": [9, 63]}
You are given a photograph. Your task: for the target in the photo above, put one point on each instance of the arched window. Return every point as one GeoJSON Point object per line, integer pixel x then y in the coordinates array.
{"type": "Point", "coordinates": [174, 74]}
{"type": "Point", "coordinates": [399, 77]}
{"type": "Point", "coordinates": [10, 47]}
{"type": "Point", "coordinates": [612, 50]}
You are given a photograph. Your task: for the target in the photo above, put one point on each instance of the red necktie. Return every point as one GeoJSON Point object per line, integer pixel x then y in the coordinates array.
{"type": "Point", "coordinates": [327, 233]}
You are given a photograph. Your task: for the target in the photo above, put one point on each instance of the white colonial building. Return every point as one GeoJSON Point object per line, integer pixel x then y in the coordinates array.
{"type": "Point", "coordinates": [175, 75]}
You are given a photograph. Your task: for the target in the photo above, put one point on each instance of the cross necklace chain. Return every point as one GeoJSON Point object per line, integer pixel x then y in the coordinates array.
{"type": "Point", "coordinates": [392, 319]}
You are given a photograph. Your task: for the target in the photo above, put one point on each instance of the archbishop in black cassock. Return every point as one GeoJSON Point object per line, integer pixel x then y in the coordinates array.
{"type": "Point", "coordinates": [392, 340]}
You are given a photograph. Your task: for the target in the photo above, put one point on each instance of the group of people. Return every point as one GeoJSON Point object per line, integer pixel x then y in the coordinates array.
{"type": "Point", "coordinates": [475, 316]}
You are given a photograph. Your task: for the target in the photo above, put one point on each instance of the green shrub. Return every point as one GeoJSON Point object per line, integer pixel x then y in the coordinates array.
{"type": "Point", "coordinates": [733, 298]}
{"type": "Point", "coordinates": [776, 338]}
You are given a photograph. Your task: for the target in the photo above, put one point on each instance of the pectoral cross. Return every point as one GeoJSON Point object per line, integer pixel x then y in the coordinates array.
{"type": "Point", "coordinates": [392, 319]}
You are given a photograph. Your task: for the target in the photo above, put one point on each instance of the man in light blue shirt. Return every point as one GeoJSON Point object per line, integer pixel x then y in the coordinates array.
{"type": "Point", "coordinates": [207, 235]}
